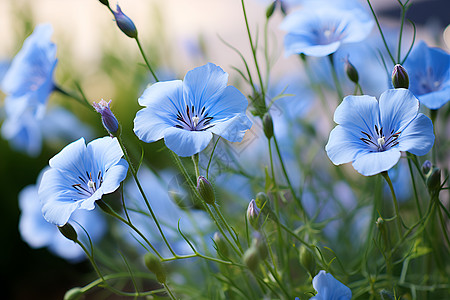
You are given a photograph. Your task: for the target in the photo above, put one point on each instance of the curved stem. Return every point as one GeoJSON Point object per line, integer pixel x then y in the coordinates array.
{"type": "Point", "coordinates": [169, 291]}
{"type": "Point", "coordinates": [146, 60]}
{"type": "Point", "coordinates": [394, 198]}
{"type": "Point", "coordinates": [336, 79]}
{"type": "Point", "coordinates": [81, 100]}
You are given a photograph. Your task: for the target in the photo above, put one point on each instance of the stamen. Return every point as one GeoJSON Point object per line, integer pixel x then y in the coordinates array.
{"type": "Point", "coordinates": [195, 120]}
{"type": "Point", "coordinates": [381, 141]}
{"type": "Point", "coordinates": [91, 184]}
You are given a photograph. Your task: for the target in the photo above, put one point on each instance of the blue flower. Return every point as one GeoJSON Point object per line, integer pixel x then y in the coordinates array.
{"type": "Point", "coordinates": [187, 113]}
{"type": "Point", "coordinates": [38, 233]}
{"type": "Point", "coordinates": [319, 30]}
{"type": "Point", "coordinates": [29, 80]}
{"type": "Point", "coordinates": [429, 75]}
{"type": "Point", "coordinates": [372, 133]}
{"type": "Point", "coordinates": [80, 175]}
{"type": "Point", "coordinates": [328, 288]}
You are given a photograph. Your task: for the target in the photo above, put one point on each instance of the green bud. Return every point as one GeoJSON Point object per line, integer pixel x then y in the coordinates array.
{"type": "Point", "coordinates": [307, 260]}
{"type": "Point", "coordinates": [222, 246]}
{"type": "Point", "coordinates": [205, 190]}
{"type": "Point", "coordinates": [259, 243]}
{"type": "Point", "coordinates": [265, 205]}
{"type": "Point", "coordinates": [253, 215]}
{"type": "Point", "coordinates": [434, 180]}
{"type": "Point", "coordinates": [270, 9]}
{"type": "Point", "coordinates": [380, 223]}
{"type": "Point", "coordinates": [104, 2]}
{"type": "Point", "coordinates": [268, 125]}
{"type": "Point", "coordinates": [153, 263]}
{"type": "Point", "coordinates": [251, 258]}
{"type": "Point", "coordinates": [74, 294]}
{"type": "Point", "coordinates": [351, 71]}
{"type": "Point", "coordinates": [400, 78]}
{"type": "Point", "coordinates": [426, 167]}
{"type": "Point", "coordinates": [68, 232]}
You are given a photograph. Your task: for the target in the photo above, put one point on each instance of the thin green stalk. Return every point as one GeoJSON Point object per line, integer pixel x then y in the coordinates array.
{"type": "Point", "coordinates": [275, 276]}
{"type": "Point", "coordinates": [169, 291]}
{"type": "Point", "coordinates": [394, 198]}
{"type": "Point", "coordinates": [433, 117]}
{"type": "Point", "coordinates": [235, 238]}
{"type": "Point", "coordinates": [81, 100]}
{"type": "Point", "coordinates": [141, 190]}
{"type": "Point", "coordinates": [416, 196]}
{"type": "Point", "coordinates": [195, 159]}
{"type": "Point", "coordinates": [146, 60]}
{"type": "Point", "coordinates": [402, 22]}
{"type": "Point", "coordinates": [210, 158]}
{"type": "Point", "coordinates": [336, 79]}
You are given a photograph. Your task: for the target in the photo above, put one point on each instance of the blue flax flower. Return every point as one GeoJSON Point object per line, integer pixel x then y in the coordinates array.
{"type": "Point", "coordinates": [80, 175]}
{"type": "Point", "coordinates": [328, 288]}
{"type": "Point", "coordinates": [372, 133]}
{"type": "Point", "coordinates": [187, 113]}
{"type": "Point", "coordinates": [429, 75]}
{"type": "Point", "coordinates": [319, 30]}
{"type": "Point", "coordinates": [29, 80]}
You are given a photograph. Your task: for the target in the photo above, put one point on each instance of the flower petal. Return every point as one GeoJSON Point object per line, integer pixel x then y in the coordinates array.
{"type": "Point", "coordinates": [105, 152]}
{"type": "Point", "coordinates": [328, 287]}
{"type": "Point", "coordinates": [344, 145]}
{"type": "Point", "coordinates": [233, 129]}
{"type": "Point", "coordinates": [418, 136]}
{"type": "Point", "coordinates": [398, 107]}
{"type": "Point", "coordinates": [358, 113]}
{"type": "Point", "coordinates": [185, 142]}
{"type": "Point", "coordinates": [114, 176]}
{"type": "Point", "coordinates": [373, 163]}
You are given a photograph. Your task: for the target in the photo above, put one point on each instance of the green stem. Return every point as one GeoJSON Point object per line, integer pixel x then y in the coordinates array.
{"type": "Point", "coordinates": [275, 276]}
{"type": "Point", "coordinates": [210, 158]}
{"type": "Point", "coordinates": [169, 291]}
{"type": "Point", "coordinates": [336, 79]}
{"type": "Point", "coordinates": [394, 198]}
{"type": "Point", "coordinates": [145, 59]}
{"type": "Point", "coordinates": [219, 213]}
{"type": "Point", "coordinates": [416, 195]}
{"type": "Point", "coordinates": [433, 117]}
{"type": "Point", "coordinates": [82, 100]}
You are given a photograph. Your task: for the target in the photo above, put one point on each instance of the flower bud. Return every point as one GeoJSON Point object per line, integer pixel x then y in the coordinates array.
{"type": "Point", "coordinates": [259, 243]}
{"type": "Point", "coordinates": [153, 263]}
{"type": "Point", "coordinates": [385, 295]}
{"type": "Point", "coordinates": [434, 180]}
{"type": "Point", "coordinates": [351, 71]}
{"type": "Point", "coordinates": [205, 190]}
{"type": "Point", "coordinates": [262, 200]}
{"type": "Point", "coordinates": [73, 294]}
{"type": "Point", "coordinates": [251, 258]}
{"type": "Point", "coordinates": [124, 23]}
{"type": "Point", "coordinates": [307, 260]}
{"type": "Point", "coordinates": [104, 2]}
{"type": "Point", "coordinates": [253, 215]}
{"type": "Point", "coordinates": [426, 167]}
{"type": "Point", "coordinates": [221, 244]}
{"type": "Point", "coordinates": [68, 232]}
{"type": "Point", "coordinates": [400, 78]}
{"type": "Point", "coordinates": [109, 121]}
{"type": "Point", "coordinates": [270, 9]}
{"type": "Point", "coordinates": [268, 125]}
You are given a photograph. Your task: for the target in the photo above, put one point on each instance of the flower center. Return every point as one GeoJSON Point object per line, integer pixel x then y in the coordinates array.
{"type": "Point", "coordinates": [88, 185]}
{"type": "Point", "coordinates": [193, 119]}
{"type": "Point", "coordinates": [380, 142]}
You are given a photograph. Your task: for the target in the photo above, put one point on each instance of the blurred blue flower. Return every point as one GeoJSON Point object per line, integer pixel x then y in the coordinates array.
{"type": "Point", "coordinates": [79, 175]}
{"type": "Point", "coordinates": [29, 80]}
{"type": "Point", "coordinates": [37, 232]}
{"type": "Point", "coordinates": [372, 133]}
{"type": "Point", "coordinates": [319, 29]}
{"type": "Point", "coordinates": [429, 75]}
{"type": "Point", "coordinates": [328, 288]}
{"type": "Point", "coordinates": [187, 113]}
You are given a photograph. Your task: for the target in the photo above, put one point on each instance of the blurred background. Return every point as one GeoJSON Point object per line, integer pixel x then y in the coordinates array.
{"type": "Point", "coordinates": [177, 36]}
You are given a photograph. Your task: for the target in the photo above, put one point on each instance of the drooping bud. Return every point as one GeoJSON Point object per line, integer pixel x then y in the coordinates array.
{"type": "Point", "coordinates": [307, 260]}
{"type": "Point", "coordinates": [351, 71]}
{"type": "Point", "coordinates": [270, 9]}
{"type": "Point", "coordinates": [251, 258]}
{"type": "Point", "coordinates": [434, 180]}
{"type": "Point", "coordinates": [400, 78]}
{"type": "Point", "coordinates": [109, 121]}
{"type": "Point", "coordinates": [259, 243]}
{"type": "Point", "coordinates": [221, 244]}
{"type": "Point", "coordinates": [426, 167]}
{"type": "Point", "coordinates": [268, 125]}
{"type": "Point", "coordinates": [104, 2]}
{"type": "Point", "coordinates": [153, 263]}
{"type": "Point", "coordinates": [125, 23]}
{"type": "Point", "coordinates": [205, 190]}
{"type": "Point", "coordinates": [253, 215]}
{"type": "Point", "coordinates": [68, 232]}
{"type": "Point", "coordinates": [74, 294]}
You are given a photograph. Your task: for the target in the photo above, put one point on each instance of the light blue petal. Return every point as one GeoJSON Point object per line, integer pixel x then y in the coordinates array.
{"type": "Point", "coordinates": [372, 163]}
{"type": "Point", "coordinates": [70, 157]}
{"type": "Point", "coordinates": [114, 176]}
{"type": "Point", "coordinates": [66, 249]}
{"type": "Point", "coordinates": [231, 102]}
{"type": "Point", "coordinates": [437, 99]}
{"type": "Point", "coordinates": [297, 43]}
{"type": "Point", "coordinates": [149, 125]}
{"type": "Point", "coordinates": [328, 287]}
{"type": "Point", "coordinates": [163, 93]}
{"type": "Point", "coordinates": [105, 152]}
{"type": "Point", "coordinates": [397, 108]}
{"type": "Point", "coordinates": [233, 129]}
{"type": "Point", "coordinates": [358, 113]}
{"type": "Point", "coordinates": [185, 142]}
{"type": "Point", "coordinates": [203, 85]}
{"type": "Point", "coordinates": [344, 145]}
{"type": "Point", "coordinates": [418, 136]}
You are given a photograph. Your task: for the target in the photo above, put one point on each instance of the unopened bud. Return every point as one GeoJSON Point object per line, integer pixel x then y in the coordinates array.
{"type": "Point", "coordinates": [268, 125]}
{"type": "Point", "coordinates": [251, 258]}
{"type": "Point", "coordinates": [270, 9]}
{"type": "Point", "coordinates": [74, 294]}
{"type": "Point", "coordinates": [380, 223]}
{"type": "Point", "coordinates": [125, 23]}
{"type": "Point", "coordinates": [68, 232]}
{"type": "Point", "coordinates": [104, 2]}
{"type": "Point", "coordinates": [253, 214]}
{"type": "Point", "coordinates": [264, 204]}
{"type": "Point", "coordinates": [205, 190]}
{"type": "Point", "coordinates": [307, 260]}
{"type": "Point", "coordinates": [109, 121]}
{"type": "Point", "coordinates": [351, 71]}
{"type": "Point", "coordinates": [434, 180]}
{"type": "Point", "coordinates": [222, 246]}
{"type": "Point", "coordinates": [426, 167]}
{"type": "Point", "coordinates": [153, 263]}
{"type": "Point", "coordinates": [400, 78]}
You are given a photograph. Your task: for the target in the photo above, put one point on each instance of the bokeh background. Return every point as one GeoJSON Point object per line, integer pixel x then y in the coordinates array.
{"type": "Point", "coordinates": [177, 36]}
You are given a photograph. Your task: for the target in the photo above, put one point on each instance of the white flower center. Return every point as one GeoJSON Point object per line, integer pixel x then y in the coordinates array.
{"type": "Point", "coordinates": [91, 184]}
{"type": "Point", "coordinates": [195, 120]}
{"type": "Point", "coordinates": [381, 141]}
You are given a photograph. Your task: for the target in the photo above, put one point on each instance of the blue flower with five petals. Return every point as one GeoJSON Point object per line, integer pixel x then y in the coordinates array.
{"type": "Point", "coordinates": [328, 288]}
{"type": "Point", "coordinates": [372, 133]}
{"type": "Point", "coordinates": [187, 113]}
{"type": "Point", "coordinates": [79, 175]}
{"type": "Point", "coordinates": [429, 75]}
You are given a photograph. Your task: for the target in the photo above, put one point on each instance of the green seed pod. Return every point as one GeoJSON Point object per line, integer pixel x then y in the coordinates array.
{"type": "Point", "coordinates": [221, 244]}
{"type": "Point", "coordinates": [307, 260]}
{"type": "Point", "coordinates": [104, 2]}
{"type": "Point", "coordinates": [73, 294]}
{"type": "Point", "coordinates": [400, 78]}
{"type": "Point", "coordinates": [434, 180]}
{"type": "Point", "coordinates": [351, 71]}
{"type": "Point", "coordinates": [270, 9]}
{"type": "Point", "coordinates": [68, 232]}
{"type": "Point", "coordinates": [268, 125]}
{"type": "Point", "coordinates": [153, 263]}
{"type": "Point", "coordinates": [251, 258]}
{"type": "Point", "coordinates": [205, 190]}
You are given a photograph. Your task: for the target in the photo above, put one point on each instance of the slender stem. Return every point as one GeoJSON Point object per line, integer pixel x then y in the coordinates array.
{"type": "Point", "coordinates": [145, 59]}
{"type": "Point", "coordinates": [227, 227]}
{"type": "Point", "coordinates": [401, 32]}
{"type": "Point", "coordinates": [433, 117]}
{"type": "Point", "coordinates": [336, 79]}
{"type": "Point", "coordinates": [81, 100]}
{"type": "Point", "coordinates": [195, 159]}
{"type": "Point", "coordinates": [169, 291]}
{"type": "Point", "coordinates": [210, 158]}
{"type": "Point", "coordinates": [416, 195]}
{"type": "Point", "coordinates": [141, 190]}
{"type": "Point", "coordinates": [394, 198]}
{"type": "Point", "coordinates": [275, 276]}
